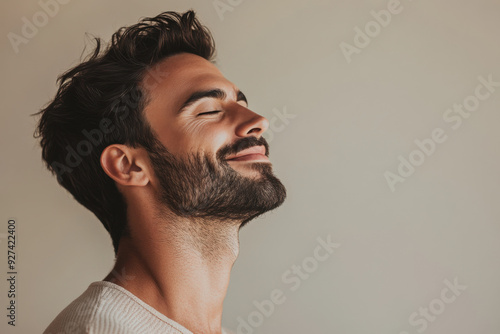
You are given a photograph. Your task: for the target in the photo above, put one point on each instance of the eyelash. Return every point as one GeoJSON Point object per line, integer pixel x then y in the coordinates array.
{"type": "Point", "coordinates": [209, 112]}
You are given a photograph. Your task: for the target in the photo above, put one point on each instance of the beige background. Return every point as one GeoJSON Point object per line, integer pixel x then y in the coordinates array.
{"type": "Point", "coordinates": [352, 121]}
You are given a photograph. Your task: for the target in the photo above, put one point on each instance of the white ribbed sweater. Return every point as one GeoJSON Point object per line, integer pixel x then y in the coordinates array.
{"type": "Point", "coordinates": [107, 308]}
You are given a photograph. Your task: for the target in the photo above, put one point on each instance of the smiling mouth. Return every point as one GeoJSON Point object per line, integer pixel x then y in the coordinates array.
{"type": "Point", "coordinates": [255, 153]}
{"type": "Point", "coordinates": [251, 153]}
{"type": "Point", "coordinates": [250, 157]}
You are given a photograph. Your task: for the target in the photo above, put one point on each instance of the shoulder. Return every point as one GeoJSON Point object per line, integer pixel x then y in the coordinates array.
{"type": "Point", "coordinates": [94, 306]}
{"type": "Point", "coordinates": [106, 308]}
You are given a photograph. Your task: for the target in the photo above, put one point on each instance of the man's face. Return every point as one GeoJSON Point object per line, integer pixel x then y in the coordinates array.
{"type": "Point", "coordinates": [200, 120]}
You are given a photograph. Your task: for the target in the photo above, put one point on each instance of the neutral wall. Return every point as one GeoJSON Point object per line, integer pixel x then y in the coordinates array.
{"type": "Point", "coordinates": [351, 120]}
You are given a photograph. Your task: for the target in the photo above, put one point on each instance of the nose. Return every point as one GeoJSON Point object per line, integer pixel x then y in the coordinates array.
{"type": "Point", "coordinates": [250, 123]}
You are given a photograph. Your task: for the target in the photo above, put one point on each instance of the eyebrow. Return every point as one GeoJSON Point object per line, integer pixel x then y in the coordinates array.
{"type": "Point", "coordinates": [212, 93]}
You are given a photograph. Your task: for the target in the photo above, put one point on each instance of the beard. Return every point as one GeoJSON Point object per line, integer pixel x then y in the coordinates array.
{"type": "Point", "coordinates": [201, 186]}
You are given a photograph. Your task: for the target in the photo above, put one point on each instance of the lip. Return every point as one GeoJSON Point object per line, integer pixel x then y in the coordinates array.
{"type": "Point", "coordinates": [252, 153]}
{"type": "Point", "coordinates": [252, 157]}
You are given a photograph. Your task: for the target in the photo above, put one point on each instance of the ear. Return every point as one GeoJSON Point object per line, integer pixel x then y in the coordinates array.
{"type": "Point", "coordinates": [126, 165]}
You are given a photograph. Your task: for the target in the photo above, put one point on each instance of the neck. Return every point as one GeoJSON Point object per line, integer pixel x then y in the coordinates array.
{"type": "Point", "coordinates": [180, 267]}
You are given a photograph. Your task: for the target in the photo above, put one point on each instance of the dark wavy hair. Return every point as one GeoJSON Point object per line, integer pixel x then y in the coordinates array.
{"type": "Point", "coordinates": [100, 102]}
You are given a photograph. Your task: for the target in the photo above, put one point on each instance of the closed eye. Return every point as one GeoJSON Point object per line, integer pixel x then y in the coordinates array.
{"type": "Point", "coordinates": [209, 112]}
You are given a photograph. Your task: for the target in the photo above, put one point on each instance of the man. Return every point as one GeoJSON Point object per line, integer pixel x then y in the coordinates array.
{"type": "Point", "coordinates": [163, 149]}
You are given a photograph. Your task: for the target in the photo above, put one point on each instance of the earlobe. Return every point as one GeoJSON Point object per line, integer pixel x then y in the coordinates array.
{"type": "Point", "coordinates": [124, 165]}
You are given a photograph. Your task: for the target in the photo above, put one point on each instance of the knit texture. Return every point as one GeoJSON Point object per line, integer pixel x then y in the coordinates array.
{"type": "Point", "coordinates": [107, 308]}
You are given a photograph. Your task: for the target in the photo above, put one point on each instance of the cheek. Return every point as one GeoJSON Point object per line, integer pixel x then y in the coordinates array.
{"type": "Point", "coordinates": [220, 138]}
{"type": "Point", "coordinates": [175, 137]}
{"type": "Point", "coordinates": [206, 136]}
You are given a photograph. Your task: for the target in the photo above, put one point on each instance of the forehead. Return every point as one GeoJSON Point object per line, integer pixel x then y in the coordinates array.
{"type": "Point", "coordinates": [173, 80]}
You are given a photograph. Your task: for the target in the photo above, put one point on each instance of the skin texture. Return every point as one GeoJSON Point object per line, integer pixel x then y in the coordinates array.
{"type": "Point", "coordinates": [185, 202]}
